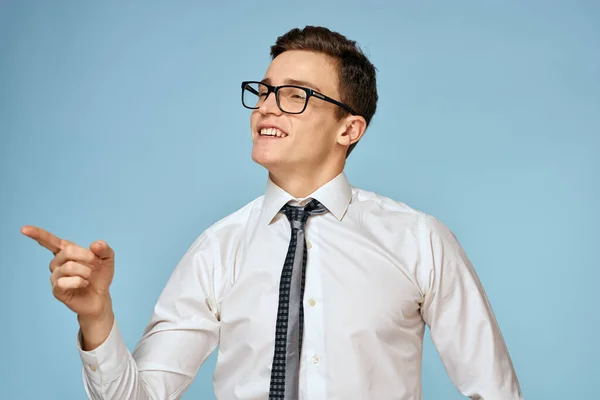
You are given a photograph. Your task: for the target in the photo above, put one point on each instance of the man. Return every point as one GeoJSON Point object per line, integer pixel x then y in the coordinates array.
{"type": "Point", "coordinates": [315, 290]}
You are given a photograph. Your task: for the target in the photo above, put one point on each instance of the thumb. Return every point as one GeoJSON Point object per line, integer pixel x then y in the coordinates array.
{"type": "Point", "coordinates": [102, 250]}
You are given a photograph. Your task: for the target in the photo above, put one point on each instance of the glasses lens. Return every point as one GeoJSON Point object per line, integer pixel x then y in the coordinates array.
{"type": "Point", "coordinates": [292, 99]}
{"type": "Point", "coordinates": [253, 94]}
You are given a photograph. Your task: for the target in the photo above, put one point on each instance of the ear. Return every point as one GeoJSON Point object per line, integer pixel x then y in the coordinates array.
{"type": "Point", "coordinates": [351, 130]}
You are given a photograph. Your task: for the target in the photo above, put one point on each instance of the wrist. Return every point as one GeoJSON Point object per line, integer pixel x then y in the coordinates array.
{"type": "Point", "coordinates": [87, 322]}
{"type": "Point", "coordinates": [104, 313]}
{"type": "Point", "coordinates": [96, 328]}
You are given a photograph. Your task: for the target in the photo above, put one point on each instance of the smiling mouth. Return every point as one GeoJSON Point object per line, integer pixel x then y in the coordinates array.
{"type": "Point", "coordinates": [272, 132]}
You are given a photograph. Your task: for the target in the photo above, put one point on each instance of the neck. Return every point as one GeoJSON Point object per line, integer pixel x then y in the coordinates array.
{"type": "Point", "coordinates": [301, 183]}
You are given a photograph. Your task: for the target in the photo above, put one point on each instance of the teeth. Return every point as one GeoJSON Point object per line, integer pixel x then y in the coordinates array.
{"type": "Point", "coordinates": [272, 132]}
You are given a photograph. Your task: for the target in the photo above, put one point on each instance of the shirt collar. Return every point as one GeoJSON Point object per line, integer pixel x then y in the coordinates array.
{"type": "Point", "coordinates": [335, 195]}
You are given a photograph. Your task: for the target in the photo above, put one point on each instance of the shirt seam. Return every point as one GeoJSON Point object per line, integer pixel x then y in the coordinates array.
{"type": "Point", "coordinates": [426, 260]}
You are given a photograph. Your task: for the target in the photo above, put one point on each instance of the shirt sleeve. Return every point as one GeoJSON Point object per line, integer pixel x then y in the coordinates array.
{"type": "Point", "coordinates": [463, 327]}
{"type": "Point", "coordinates": [182, 333]}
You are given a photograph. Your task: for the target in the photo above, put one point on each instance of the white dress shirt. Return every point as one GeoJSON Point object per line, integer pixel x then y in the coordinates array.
{"type": "Point", "coordinates": [377, 272]}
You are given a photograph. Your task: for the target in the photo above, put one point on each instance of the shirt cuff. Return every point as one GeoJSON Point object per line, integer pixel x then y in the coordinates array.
{"type": "Point", "coordinates": [108, 360]}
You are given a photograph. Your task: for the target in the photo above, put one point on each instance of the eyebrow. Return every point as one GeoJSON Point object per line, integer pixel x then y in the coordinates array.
{"type": "Point", "coordinates": [294, 82]}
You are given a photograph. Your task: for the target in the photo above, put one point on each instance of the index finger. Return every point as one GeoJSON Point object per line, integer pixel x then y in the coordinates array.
{"type": "Point", "coordinates": [44, 238]}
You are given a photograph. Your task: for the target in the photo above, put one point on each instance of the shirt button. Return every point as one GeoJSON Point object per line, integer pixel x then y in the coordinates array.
{"type": "Point", "coordinates": [308, 245]}
{"type": "Point", "coordinates": [93, 368]}
{"type": "Point", "coordinates": [316, 359]}
{"type": "Point", "coordinates": [312, 302]}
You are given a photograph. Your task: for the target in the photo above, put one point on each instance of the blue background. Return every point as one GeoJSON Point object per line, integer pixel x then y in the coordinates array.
{"type": "Point", "coordinates": [123, 122]}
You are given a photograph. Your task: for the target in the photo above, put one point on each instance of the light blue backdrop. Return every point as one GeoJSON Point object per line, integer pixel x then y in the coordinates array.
{"type": "Point", "coordinates": [123, 122]}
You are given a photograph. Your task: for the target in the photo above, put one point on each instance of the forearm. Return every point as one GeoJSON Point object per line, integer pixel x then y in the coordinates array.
{"type": "Point", "coordinates": [110, 372]}
{"type": "Point", "coordinates": [127, 386]}
{"type": "Point", "coordinates": [109, 369]}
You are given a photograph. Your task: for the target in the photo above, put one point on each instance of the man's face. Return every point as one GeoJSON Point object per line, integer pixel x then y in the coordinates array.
{"type": "Point", "coordinates": [310, 138]}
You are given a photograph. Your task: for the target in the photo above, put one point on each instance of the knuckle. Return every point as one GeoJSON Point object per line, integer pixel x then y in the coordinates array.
{"type": "Point", "coordinates": [69, 267]}
{"type": "Point", "coordinates": [56, 274]}
{"type": "Point", "coordinates": [70, 251]}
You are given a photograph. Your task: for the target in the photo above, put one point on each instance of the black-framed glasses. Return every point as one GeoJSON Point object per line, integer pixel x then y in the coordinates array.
{"type": "Point", "coordinates": [291, 99]}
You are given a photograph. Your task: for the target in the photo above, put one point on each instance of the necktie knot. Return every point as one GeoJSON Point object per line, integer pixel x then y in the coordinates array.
{"type": "Point", "coordinates": [298, 215]}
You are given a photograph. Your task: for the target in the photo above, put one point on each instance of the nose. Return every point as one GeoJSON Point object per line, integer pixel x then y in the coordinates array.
{"type": "Point", "coordinates": [269, 105]}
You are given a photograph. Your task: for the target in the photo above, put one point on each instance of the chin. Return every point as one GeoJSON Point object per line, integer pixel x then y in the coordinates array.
{"type": "Point", "coordinates": [272, 162]}
{"type": "Point", "coordinates": [266, 159]}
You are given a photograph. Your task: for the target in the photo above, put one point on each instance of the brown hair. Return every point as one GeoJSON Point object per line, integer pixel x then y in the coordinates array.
{"type": "Point", "coordinates": [357, 80]}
